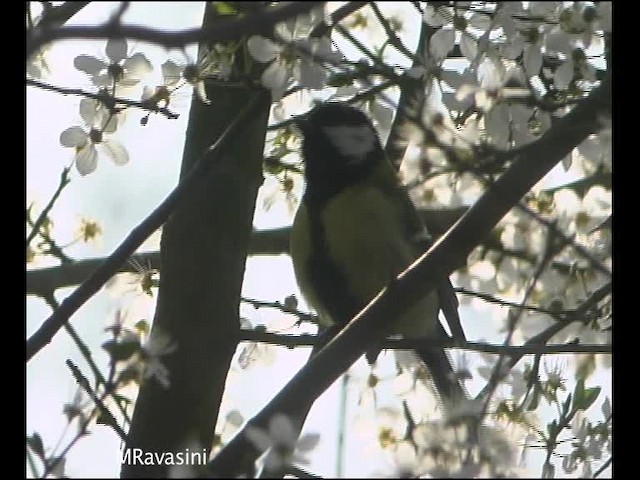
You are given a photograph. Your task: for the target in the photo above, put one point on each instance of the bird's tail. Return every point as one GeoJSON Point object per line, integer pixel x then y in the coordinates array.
{"type": "Point", "coordinates": [444, 378]}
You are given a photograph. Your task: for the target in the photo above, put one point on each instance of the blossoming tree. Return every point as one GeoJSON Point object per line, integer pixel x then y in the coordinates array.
{"type": "Point", "coordinates": [498, 111]}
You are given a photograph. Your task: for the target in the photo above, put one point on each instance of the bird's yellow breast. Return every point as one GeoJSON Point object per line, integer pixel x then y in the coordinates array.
{"type": "Point", "coordinates": [366, 240]}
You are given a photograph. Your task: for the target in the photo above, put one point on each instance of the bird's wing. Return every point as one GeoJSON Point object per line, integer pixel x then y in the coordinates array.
{"type": "Point", "coordinates": [419, 234]}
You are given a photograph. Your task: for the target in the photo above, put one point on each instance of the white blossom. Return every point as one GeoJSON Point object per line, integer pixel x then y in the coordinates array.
{"type": "Point", "coordinates": [281, 443]}
{"type": "Point", "coordinates": [94, 137]}
{"type": "Point", "coordinates": [294, 56]}
{"type": "Point", "coordinates": [119, 71]}
{"type": "Point", "coordinates": [157, 346]}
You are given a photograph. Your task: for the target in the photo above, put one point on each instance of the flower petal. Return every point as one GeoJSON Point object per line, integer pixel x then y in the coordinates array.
{"type": "Point", "coordinates": [311, 75]}
{"type": "Point", "coordinates": [382, 117]}
{"type": "Point", "coordinates": [262, 49]}
{"type": "Point", "coordinates": [480, 21]}
{"type": "Point", "coordinates": [281, 431]}
{"type": "Point", "coordinates": [147, 93]}
{"type": "Point", "coordinates": [259, 438]}
{"type": "Point", "coordinates": [514, 47]}
{"type": "Point", "coordinates": [497, 125]}
{"type": "Point", "coordinates": [116, 49]}
{"type": "Point", "coordinates": [563, 75]}
{"type": "Point", "coordinates": [274, 461]}
{"type": "Point", "coordinates": [435, 16]}
{"type": "Point", "coordinates": [442, 43]}
{"type": "Point", "coordinates": [137, 66]}
{"type": "Point", "coordinates": [88, 111]}
{"type": "Point", "coordinates": [89, 64]}
{"type": "Point", "coordinates": [171, 73]}
{"type": "Point", "coordinates": [275, 78]}
{"type": "Point", "coordinates": [87, 159]}
{"type": "Point", "coordinates": [558, 42]}
{"type": "Point", "coordinates": [532, 59]}
{"type": "Point", "coordinates": [112, 124]}
{"type": "Point", "coordinates": [103, 80]}
{"type": "Point", "coordinates": [201, 92]}
{"type": "Point", "coordinates": [604, 15]}
{"type": "Point", "coordinates": [308, 442]}
{"type": "Point", "coordinates": [116, 151]}
{"type": "Point", "coordinates": [73, 137]}
{"type": "Point", "coordinates": [468, 46]}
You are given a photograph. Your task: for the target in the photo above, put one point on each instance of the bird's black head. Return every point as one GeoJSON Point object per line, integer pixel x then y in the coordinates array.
{"type": "Point", "coordinates": [340, 147]}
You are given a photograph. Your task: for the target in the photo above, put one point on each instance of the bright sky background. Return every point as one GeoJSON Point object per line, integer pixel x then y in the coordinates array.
{"type": "Point", "coordinates": [119, 198]}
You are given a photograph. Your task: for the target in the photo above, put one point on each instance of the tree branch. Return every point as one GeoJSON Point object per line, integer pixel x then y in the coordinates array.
{"type": "Point", "coordinates": [224, 30]}
{"type": "Point", "coordinates": [340, 14]}
{"type": "Point", "coordinates": [104, 98]}
{"type": "Point", "coordinates": [370, 324]}
{"type": "Point", "coordinates": [64, 181]}
{"type": "Point", "coordinates": [111, 265]}
{"type": "Point", "coordinates": [61, 14]}
{"type": "Point", "coordinates": [43, 280]}
{"type": "Point", "coordinates": [309, 340]}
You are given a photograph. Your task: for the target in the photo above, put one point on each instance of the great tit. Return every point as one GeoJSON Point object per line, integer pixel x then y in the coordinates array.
{"type": "Point", "coordinates": [356, 229]}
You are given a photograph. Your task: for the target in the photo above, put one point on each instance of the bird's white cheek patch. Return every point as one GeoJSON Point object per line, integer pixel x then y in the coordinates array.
{"type": "Point", "coordinates": [352, 141]}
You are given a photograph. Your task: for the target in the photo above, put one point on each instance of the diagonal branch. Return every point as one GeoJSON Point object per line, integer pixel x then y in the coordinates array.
{"type": "Point", "coordinates": [370, 324]}
{"type": "Point", "coordinates": [111, 265]}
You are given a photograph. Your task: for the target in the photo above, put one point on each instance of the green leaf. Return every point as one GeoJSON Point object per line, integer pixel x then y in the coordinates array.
{"type": "Point", "coordinates": [578, 394]}
{"type": "Point", "coordinates": [584, 398]}
{"type": "Point", "coordinates": [591, 394]}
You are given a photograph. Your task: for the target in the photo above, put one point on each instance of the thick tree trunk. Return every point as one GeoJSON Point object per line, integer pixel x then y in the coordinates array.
{"type": "Point", "coordinates": [203, 252]}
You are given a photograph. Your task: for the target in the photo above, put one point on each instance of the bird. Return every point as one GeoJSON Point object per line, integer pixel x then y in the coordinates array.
{"type": "Point", "coordinates": [356, 229]}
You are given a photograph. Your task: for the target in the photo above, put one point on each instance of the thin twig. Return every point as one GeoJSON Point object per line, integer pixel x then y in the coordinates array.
{"type": "Point", "coordinates": [499, 371]}
{"type": "Point", "coordinates": [604, 466]}
{"type": "Point", "coordinates": [305, 317]}
{"type": "Point", "coordinates": [64, 181]}
{"type": "Point", "coordinates": [101, 97]}
{"type": "Point", "coordinates": [596, 264]}
{"type": "Point", "coordinates": [370, 324]}
{"type": "Point", "coordinates": [337, 16]}
{"type": "Point", "coordinates": [309, 340]}
{"type": "Point", "coordinates": [506, 303]}
{"type": "Point", "coordinates": [394, 40]}
{"type": "Point", "coordinates": [380, 87]}
{"type": "Point", "coordinates": [88, 357]}
{"type": "Point", "coordinates": [139, 234]}
{"type": "Point", "coordinates": [54, 248]}
{"type": "Point", "coordinates": [82, 430]}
